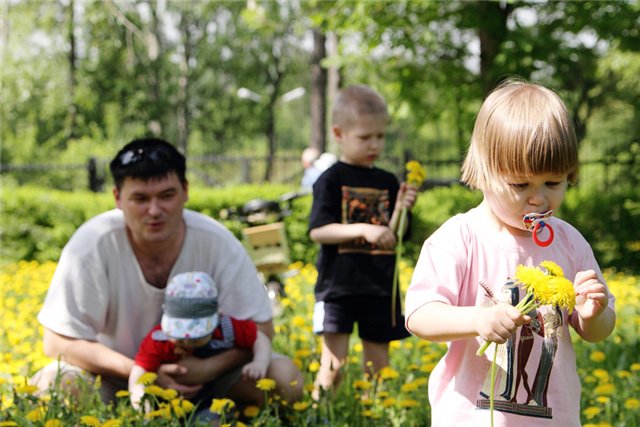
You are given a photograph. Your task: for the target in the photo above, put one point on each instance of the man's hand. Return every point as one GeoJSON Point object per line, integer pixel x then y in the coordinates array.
{"type": "Point", "coordinates": [172, 375]}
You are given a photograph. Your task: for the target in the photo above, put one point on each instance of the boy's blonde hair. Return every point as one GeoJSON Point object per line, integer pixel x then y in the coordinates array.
{"type": "Point", "coordinates": [522, 129]}
{"type": "Point", "coordinates": [354, 102]}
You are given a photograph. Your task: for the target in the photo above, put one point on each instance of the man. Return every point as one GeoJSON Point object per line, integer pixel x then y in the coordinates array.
{"type": "Point", "coordinates": [108, 288]}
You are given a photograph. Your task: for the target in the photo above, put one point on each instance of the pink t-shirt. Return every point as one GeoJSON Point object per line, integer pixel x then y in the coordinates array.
{"type": "Point", "coordinates": [537, 382]}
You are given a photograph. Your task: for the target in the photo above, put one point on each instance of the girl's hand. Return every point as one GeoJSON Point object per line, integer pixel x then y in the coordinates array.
{"type": "Point", "coordinates": [591, 295]}
{"type": "Point", "coordinates": [498, 322]}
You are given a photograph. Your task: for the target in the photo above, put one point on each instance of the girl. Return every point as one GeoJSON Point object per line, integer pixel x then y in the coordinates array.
{"type": "Point", "coordinates": [522, 156]}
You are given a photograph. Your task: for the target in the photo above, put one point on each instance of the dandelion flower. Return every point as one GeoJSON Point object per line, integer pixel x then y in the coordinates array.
{"type": "Point", "coordinates": [112, 423]}
{"type": "Point", "coordinates": [301, 406]}
{"type": "Point", "coordinates": [90, 421]}
{"type": "Point", "coordinates": [632, 403]}
{"type": "Point", "coordinates": [552, 268]}
{"type": "Point", "coordinates": [218, 406]}
{"type": "Point", "coordinates": [147, 378]}
{"type": "Point", "coordinates": [597, 356]}
{"type": "Point", "coordinates": [26, 389]}
{"type": "Point", "coordinates": [362, 385]}
{"type": "Point", "coordinates": [388, 373]}
{"type": "Point", "coordinates": [251, 411]}
{"type": "Point", "coordinates": [266, 384]}
{"type": "Point", "coordinates": [591, 412]}
{"type": "Point", "coordinates": [53, 423]}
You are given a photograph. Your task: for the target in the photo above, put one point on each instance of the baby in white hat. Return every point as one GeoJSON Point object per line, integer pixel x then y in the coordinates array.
{"type": "Point", "coordinates": [191, 325]}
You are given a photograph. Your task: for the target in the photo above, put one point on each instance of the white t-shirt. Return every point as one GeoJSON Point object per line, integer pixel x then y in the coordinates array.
{"type": "Point", "coordinates": [98, 291]}
{"type": "Point", "coordinates": [537, 382]}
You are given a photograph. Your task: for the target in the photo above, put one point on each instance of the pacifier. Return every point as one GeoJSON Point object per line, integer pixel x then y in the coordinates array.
{"type": "Point", "coordinates": [535, 222]}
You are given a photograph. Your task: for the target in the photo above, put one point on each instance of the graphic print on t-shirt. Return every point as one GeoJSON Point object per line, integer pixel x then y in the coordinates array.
{"type": "Point", "coordinates": [368, 205]}
{"type": "Point", "coordinates": [530, 350]}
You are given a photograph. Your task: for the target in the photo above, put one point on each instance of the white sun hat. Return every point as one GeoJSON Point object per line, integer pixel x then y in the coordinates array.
{"type": "Point", "coordinates": [190, 306]}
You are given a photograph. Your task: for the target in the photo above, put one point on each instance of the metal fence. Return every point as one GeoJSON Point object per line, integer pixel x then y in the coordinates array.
{"type": "Point", "coordinates": [220, 171]}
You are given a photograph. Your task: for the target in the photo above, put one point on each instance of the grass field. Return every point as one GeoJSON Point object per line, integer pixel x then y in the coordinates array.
{"type": "Point", "coordinates": [610, 371]}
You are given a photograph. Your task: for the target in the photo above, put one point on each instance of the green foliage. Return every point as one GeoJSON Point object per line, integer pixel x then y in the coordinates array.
{"type": "Point", "coordinates": [35, 223]}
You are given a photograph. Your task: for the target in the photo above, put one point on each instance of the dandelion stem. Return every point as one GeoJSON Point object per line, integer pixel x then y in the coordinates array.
{"type": "Point", "coordinates": [396, 271]}
{"type": "Point", "coordinates": [493, 383]}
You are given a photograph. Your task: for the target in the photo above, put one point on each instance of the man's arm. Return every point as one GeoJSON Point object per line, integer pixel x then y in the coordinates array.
{"type": "Point", "coordinates": [335, 233]}
{"type": "Point", "coordinates": [89, 355]}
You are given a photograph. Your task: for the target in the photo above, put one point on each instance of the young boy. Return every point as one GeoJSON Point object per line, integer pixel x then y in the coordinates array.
{"type": "Point", "coordinates": [356, 207]}
{"type": "Point", "coordinates": [191, 325]}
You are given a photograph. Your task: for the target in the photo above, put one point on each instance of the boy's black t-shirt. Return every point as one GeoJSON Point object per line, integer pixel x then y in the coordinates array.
{"type": "Point", "coordinates": [350, 194]}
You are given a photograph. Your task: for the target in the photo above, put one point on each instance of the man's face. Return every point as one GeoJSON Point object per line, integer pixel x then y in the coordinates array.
{"type": "Point", "coordinates": [539, 194]}
{"type": "Point", "coordinates": [152, 208]}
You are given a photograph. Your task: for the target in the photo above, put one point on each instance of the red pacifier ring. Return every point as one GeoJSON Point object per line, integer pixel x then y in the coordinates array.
{"type": "Point", "coordinates": [539, 242]}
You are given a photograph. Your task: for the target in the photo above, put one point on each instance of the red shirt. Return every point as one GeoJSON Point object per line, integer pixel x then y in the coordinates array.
{"type": "Point", "coordinates": [156, 349]}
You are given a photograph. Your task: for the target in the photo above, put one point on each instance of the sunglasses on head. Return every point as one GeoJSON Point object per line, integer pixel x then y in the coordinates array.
{"type": "Point", "coordinates": [136, 155]}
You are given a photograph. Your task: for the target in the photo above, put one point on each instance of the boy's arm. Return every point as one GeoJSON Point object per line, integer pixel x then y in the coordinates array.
{"type": "Point", "coordinates": [257, 368]}
{"type": "Point", "coordinates": [332, 234]}
{"type": "Point", "coordinates": [439, 322]}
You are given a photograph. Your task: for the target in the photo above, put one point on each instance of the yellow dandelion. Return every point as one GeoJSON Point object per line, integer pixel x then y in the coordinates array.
{"type": "Point", "coordinates": [367, 413]}
{"type": "Point", "coordinates": [597, 356]}
{"type": "Point", "coordinates": [562, 293]}
{"type": "Point", "coordinates": [362, 385]}
{"type": "Point", "coordinates": [314, 366]}
{"type": "Point", "coordinates": [302, 353]}
{"type": "Point", "coordinates": [635, 367]}
{"type": "Point", "coordinates": [218, 406]}
{"type": "Point", "coordinates": [591, 412]}
{"type": "Point", "coordinates": [409, 387]}
{"type": "Point", "coordinates": [154, 390]}
{"type": "Point", "coordinates": [169, 394]}
{"type": "Point", "coordinates": [187, 406]}
{"type": "Point", "coordinates": [366, 401]}
{"type": "Point", "coordinates": [416, 173]}
{"type": "Point", "coordinates": [112, 423]}
{"type": "Point", "coordinates": [601, 374]}
{"type": "Point", "coordinates": [8, 424]}
{"type": "Point", "coordinates": [301, 406]}
{"type": "Point", "coordinates": [389, 402]}
{"type": "Point", "coordinates": [298, 321]}
{"type": "Point", "coordinates": [603, 399]}
{"type": "Point", "coordinates": [147, 378]}
{"type": "Point", "coordinates": [26, 389]}
{"type": "Point", "coordinates": [122, 393]}
{"type": "Point", "coordinates": [604, 389]}
{"type": "Point", "coordinates": [383, 394]}
{"type": "Point", "coordinates": [251, 411]}
{"type": "Point", "coordinates": [623, 374]}
{"type": "Point", "coordinates": [552, 268]}
{"type": "Point", "coordinates": [632, 403]}
{"type": "Point", "coordinates": [90, 420]}
{"type": "Point", "coordinates": [36, 414]}
{"type": "Point", "coordinates": [409, 403]}
{"type": "Point", "coordinates": [529, 277]}
{"type": "Point", "coordinates": [388, 373]}
{"type": "Point", "coordinates": [53, 423]}
{"type": "Point", "coordinates": [240, 424]}
{"type": "Point", "coordinates": [266, 384]}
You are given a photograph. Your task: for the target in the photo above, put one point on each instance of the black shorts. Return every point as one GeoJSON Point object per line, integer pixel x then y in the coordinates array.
{"type": "Point", "coordinates": [372, 314]}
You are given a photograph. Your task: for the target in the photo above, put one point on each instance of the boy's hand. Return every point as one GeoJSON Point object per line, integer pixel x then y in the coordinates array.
{"type": "Point", "coordinates": [407, 196]}
{"type": "Point", "coordinates": [379, 235]}
{"type": "Point", "coordinates": [255, 370]}
{"type": "Point", "coordinates": [591, 295]}
{"type": "Point", "coordinates": [498, 322]}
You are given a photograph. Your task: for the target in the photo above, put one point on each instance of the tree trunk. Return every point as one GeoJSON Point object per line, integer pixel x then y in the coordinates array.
{"type": "Point", "coordinates": [318, 93]}
{"type": "Point", "coordinates": [492, 33]}
{"type": "Point", "coordinates": [72, 111]}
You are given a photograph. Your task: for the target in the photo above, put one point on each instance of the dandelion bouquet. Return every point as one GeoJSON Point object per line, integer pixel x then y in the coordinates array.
{"type": "Point", "coordinates": [545, 286]}
{"type": "Point", "coordinates": [416, 175]}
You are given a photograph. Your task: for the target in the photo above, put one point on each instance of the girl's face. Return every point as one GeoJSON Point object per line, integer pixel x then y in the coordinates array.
{"type": "Point", "coordinates": [539, 194]}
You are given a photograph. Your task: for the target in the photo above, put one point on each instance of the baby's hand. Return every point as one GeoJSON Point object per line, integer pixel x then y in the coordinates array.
{"type": "Point", "coordinates": [255, 370]}
{"type": "Point", "coordinates": [591, 295]}
{"type": "Point", "coordinates": [498, 322]}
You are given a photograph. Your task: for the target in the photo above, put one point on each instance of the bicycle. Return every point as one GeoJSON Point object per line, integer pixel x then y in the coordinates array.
{"type": "Point", "coordinates": [265, 239]}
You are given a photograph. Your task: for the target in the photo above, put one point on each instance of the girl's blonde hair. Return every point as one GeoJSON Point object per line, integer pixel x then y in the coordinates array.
{"type": "Point", "coordinates": [356, 101]}
{"type": "Point", "coordinates": [522, 130]}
